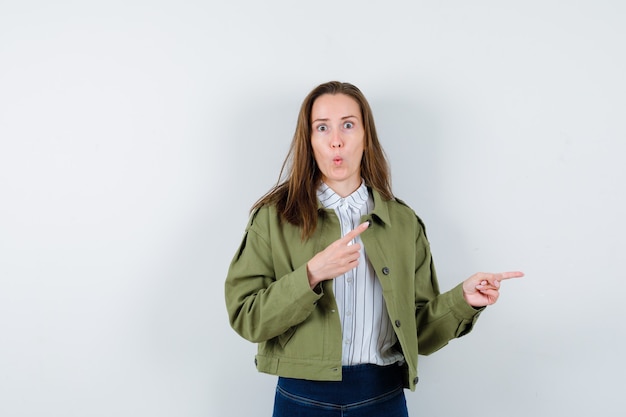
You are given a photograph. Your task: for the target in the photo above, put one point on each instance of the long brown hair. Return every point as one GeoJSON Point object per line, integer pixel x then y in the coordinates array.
{"type": "Point", "coordinates": [295, 194]}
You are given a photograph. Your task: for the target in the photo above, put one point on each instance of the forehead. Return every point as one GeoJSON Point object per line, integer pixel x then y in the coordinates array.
{"type": "Point", "coordinates": [331, 106]}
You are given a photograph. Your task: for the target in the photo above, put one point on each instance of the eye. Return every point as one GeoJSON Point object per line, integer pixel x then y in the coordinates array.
{"type": "Point", "coordinates": [348, 125]}
{"type": "Point", "coordinates": [321, 128]}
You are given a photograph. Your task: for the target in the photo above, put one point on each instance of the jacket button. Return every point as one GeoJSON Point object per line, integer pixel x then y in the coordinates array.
{"type": "Point", "coordinates": [385, 271]}
{"type": "Point", "coordinates": [415, 380]}
{"type": "Point", "coordinates": [397, 323]}
{"type": "Point", "coordinates": [255, 362]}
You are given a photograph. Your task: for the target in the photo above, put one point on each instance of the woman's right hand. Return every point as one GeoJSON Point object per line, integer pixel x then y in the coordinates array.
{"type": "Point", "coordinates": [338, 258]}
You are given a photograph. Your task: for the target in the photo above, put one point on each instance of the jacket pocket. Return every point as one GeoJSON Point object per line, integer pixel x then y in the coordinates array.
{"type": "Point", "coordinates": [284, 338]}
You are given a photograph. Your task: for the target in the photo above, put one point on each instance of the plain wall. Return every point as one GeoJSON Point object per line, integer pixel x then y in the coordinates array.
{"type": "Point", "coordinates": [135, 136]}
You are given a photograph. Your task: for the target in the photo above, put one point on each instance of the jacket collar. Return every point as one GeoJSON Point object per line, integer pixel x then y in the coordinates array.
{"type": "Point", "coordinates": [381, 207]}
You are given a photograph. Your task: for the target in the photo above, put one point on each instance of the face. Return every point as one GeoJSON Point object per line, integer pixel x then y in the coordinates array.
{"type": "Point", "coordinates": [338, 140]}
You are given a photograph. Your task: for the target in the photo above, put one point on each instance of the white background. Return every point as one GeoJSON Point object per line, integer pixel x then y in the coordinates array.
{"type": "Point", "coordinates": [135, 135]}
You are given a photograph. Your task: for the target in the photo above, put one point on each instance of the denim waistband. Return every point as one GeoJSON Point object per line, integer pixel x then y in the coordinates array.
{"type": "Point", "coordinates": [359, 383]}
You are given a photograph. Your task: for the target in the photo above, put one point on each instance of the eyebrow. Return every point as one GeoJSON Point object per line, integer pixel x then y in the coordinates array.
{"type": "Point", "coordinates": [325, 120]}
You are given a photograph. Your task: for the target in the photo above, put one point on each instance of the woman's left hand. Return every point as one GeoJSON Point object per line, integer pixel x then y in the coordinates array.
{"type": "Point", "coordinates": [482, 288]}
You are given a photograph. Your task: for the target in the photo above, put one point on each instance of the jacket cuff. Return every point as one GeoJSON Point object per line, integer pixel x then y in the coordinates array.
{"type": "Point", "coordinates": [302, 291]}
{"type": "Point", "coordinates": [459, 305]}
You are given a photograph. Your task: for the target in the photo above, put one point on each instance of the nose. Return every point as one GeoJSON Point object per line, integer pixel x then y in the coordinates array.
{"type": "Point", "coordinates": [335, 140]}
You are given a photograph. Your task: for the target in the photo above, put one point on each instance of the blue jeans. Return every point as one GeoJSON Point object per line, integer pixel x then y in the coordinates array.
{"type": "Point", "coordinates": [365, 391]}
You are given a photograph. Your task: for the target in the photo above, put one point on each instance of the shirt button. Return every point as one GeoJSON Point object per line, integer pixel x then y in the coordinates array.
{"type": "Point", "coordinates": [385, 270]}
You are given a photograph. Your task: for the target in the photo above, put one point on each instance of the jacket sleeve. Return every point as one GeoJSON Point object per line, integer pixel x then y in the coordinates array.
{"type": "Point", "coordinates": [261, 305]}
{"type": "Point", "coordinates": [440, 317]}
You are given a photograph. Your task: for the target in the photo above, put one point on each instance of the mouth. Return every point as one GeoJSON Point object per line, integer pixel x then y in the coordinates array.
{"type": "Point", "coordinates": [337, 160]}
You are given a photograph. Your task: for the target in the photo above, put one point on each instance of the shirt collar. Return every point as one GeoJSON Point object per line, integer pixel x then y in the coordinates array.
{"type": "Point", "coordinates": [331, 200]}
{"type": "Point", "coordinates": [381, 209]}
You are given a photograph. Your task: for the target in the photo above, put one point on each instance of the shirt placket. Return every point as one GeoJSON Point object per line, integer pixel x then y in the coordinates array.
{"type": "Point", "coordinates": [349, 287]}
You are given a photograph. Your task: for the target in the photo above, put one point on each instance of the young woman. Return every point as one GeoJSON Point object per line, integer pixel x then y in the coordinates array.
{"type": "Point", "coordinates": [334, 277]}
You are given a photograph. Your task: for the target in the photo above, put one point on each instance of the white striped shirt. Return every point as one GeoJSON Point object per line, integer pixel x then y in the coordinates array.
{"type": "Point", "coordinates": [368, 335]}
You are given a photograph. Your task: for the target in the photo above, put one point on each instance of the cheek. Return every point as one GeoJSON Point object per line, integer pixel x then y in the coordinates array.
{"type": "Point", "coordinates": [316, 155]}
{"type": "Point", "coordinates": [361, 145]}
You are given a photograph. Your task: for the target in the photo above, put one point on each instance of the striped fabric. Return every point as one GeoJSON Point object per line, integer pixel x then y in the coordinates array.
{"type": "Point", "coordinates": [368, 335]}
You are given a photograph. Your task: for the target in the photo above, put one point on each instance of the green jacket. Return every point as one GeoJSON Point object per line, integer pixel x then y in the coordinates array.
{"type": "Point", "coordinates": [270, 302]}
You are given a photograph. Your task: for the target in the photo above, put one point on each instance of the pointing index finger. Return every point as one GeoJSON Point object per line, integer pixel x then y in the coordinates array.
{"type": "Point", "coordinates": [510, 274]}
{"type": "Point", "coordinates": [355, 232]}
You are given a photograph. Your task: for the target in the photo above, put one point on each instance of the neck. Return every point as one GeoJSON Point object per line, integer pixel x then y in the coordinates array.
{"type": "Point", "coordinates": [342, 188]}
